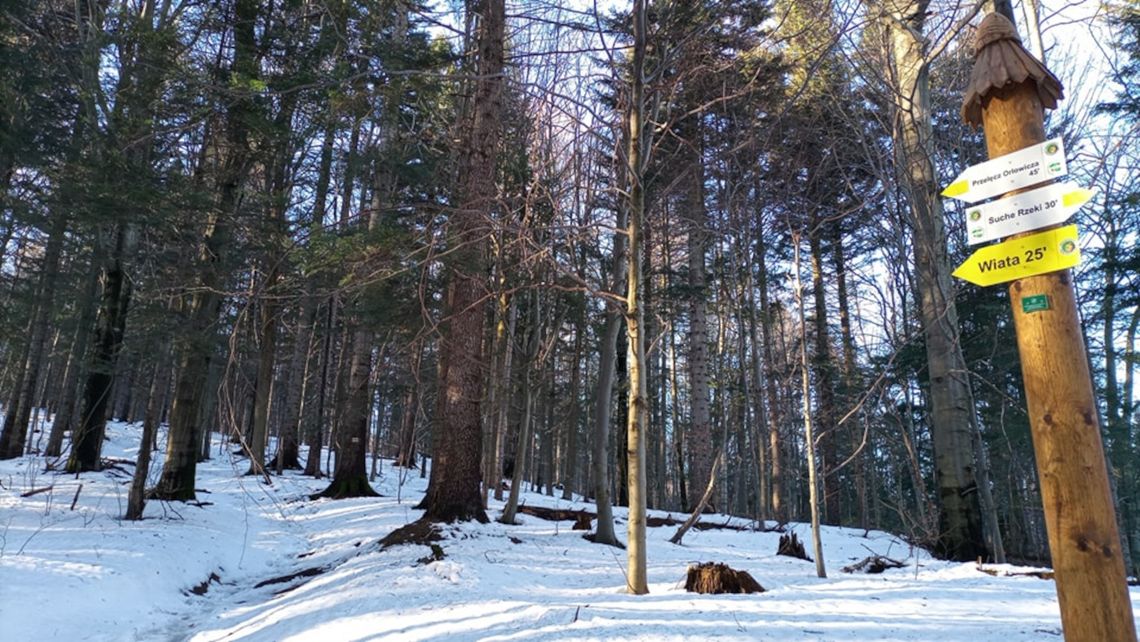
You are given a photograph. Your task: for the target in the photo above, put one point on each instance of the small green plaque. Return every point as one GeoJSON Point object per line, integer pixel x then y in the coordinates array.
{"type": "Point", "coordinates": [1035, 303]}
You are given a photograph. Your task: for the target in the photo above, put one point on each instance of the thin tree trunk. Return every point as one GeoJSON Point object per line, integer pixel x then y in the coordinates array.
{"type": "Point", "coordinates": [809, 437]}
{"type": "Point", "coordinates": [136, 498]}
{"type": "Point", "coordinates": [15, 430]}
{"type": "Point", "coordinates": [824, 370]}
{"type": "Point", "coordinates": [636, 581]}
{"type": "Point", "coordinates": [77, 359]}
{"type": "Point", "coordinates": [528, 400]}
{"type": "Point", "coordinates": [314, 436]}
{"type": "Point", "coordinates": [700, 434]}
{"type": "Point", "coordinates": [569, 477]}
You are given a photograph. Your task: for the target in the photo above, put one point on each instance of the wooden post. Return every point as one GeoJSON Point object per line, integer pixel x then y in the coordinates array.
{"type": "Point", "coordinates": [1079, 516]}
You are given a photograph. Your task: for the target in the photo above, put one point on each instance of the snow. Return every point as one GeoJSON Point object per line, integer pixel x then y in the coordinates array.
{"type": "Point", "coordinates": [85, 574]}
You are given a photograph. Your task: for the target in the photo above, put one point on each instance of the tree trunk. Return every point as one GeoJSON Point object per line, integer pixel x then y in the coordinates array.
{"type": "Point", "coordinates": [406, 457]}
{"type": "Point", "coordinates": [824, 369]}
{"type": "Point", "coordinates": [316, 426]}
{"type": "Point", "coordinates": [700, 434]}
{"type": "Point", "coordinates": [454, 488]}
{"type": "Point", "coordinates": [569, 477]}
{"type": "Point", "coordinates": [350, 476]}
{"type": "Point", "coordinates": [76, 366]}
{"type": "Point", "coordinates": [636, 581]}
{"type": "Point", "coordinates": [196, 347]}
{"type": "Point", "coordinates": [528, 399]}
{"type": "Point", "coordinates": [136, 498]}
{"type": "Point", "coordinates": [87, 440]}
{"type": "Point", "coordinates": [809, 437]}
{"type": "Point", "coordinates": [12, 438]}
{"type": "Point", "coordinates": [960, 535]}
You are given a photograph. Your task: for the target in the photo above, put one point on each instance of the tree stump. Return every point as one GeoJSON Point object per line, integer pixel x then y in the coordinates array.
{"type": "Point", "coordinates": [716, 578]}
{"type": "Point", "coordinates": [791, 546]}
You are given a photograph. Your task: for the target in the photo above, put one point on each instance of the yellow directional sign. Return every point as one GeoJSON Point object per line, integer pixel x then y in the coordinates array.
{"type": "Point", "coordinates": [1048, 251]}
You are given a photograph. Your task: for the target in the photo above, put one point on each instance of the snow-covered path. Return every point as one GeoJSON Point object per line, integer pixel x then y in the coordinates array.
{"type": "Point", "coordinates": [87, 575]}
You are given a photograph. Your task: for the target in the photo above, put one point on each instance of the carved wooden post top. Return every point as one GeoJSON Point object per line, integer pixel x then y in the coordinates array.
{"type": "Point", "coordinates": [1000, 60]}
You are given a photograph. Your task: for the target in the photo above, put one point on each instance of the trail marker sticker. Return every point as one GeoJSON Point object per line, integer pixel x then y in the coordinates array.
{"type": "Point", "coordinates": [1048, 251]}
{"type": "Point", "coordinates": [1024, 212]}
{"type": "Point", "coordinates": [1035, 303]}
{"type": "Point", "coordinates": [1030, 166]}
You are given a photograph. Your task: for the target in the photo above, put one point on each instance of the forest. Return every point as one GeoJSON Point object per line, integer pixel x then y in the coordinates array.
{"type": "Point", "coordinates": [684, 256]}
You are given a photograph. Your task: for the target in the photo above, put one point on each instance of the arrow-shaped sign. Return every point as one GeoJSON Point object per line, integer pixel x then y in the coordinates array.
{"type": "Point", "coordinates": [1024, 212]}
{"type": "Point", "coordinates": [1048, 251]}
{"type": "Point", "coordinates": [1025, 167]}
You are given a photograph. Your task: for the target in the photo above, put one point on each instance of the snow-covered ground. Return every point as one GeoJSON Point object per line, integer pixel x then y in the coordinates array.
{"type": "Point", "coordinates": [84, 574]}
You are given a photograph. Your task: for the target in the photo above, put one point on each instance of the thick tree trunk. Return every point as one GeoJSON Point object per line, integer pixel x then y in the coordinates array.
{"type": "Point", "coordinates": [960, 535]}
{"type": "Point", "coordinates": [87, 440]}
{"type": "Point", "coordinates": [196, 347]}
{"type": "Point", "coordinates": [350, 476]}
{"type": "Point", "coordinates": [454, 488]}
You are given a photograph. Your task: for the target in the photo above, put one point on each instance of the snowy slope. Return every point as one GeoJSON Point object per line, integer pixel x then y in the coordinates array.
{"type": "Point", "coordinates": [84, 574]}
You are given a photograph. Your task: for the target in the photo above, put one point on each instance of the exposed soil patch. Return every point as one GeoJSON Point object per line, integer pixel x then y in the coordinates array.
{"type": "Point", "coordinates": [418, 532]}
{"type": "Point", "coordinates": [204, 587]}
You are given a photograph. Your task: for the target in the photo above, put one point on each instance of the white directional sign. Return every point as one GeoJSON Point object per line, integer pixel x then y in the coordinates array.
{"type": "Point", "coordinates": [1024, 212]}
{"type": "Point", "coordinates": [1025, 167]}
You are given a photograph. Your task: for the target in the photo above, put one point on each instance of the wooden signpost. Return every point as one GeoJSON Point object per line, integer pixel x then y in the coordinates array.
{"type": "Point", "coordinates": [1008, 93]}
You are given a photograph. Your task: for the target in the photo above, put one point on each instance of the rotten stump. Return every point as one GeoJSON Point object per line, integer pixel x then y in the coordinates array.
{"type": "Point", "coordinates": [716, 578]}
{"type": "Point", "coordinates": [791, 546]}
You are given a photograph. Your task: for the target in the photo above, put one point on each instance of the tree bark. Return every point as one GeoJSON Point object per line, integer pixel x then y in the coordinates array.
{"type": "Point", "coordinates": [960, 534]}
{"type": "Point", "coordinates": [454, 488]}
{"type": "Point", "coordinates": [15, 430]}
{"type": "Point", "coordinates": [809, 436]}
{"type": "Point", "coordinates": [636, 580]}
{"type": "Point", "coordinates": [700, 434]}
{"type": "Point", "coordinates": [87, 440]}
{"type": "Point", "coordinates": [196, 346]}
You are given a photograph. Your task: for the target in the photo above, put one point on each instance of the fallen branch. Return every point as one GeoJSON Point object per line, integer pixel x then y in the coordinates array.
{"type": "Point", "coordinates": [873, 565]}
{"type": "Point", "coordinates": [696, 514]}
{"type": "Point", "coordinates": [37, 491]}
{"type": "Point", "coordinates": [1001, 572]}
